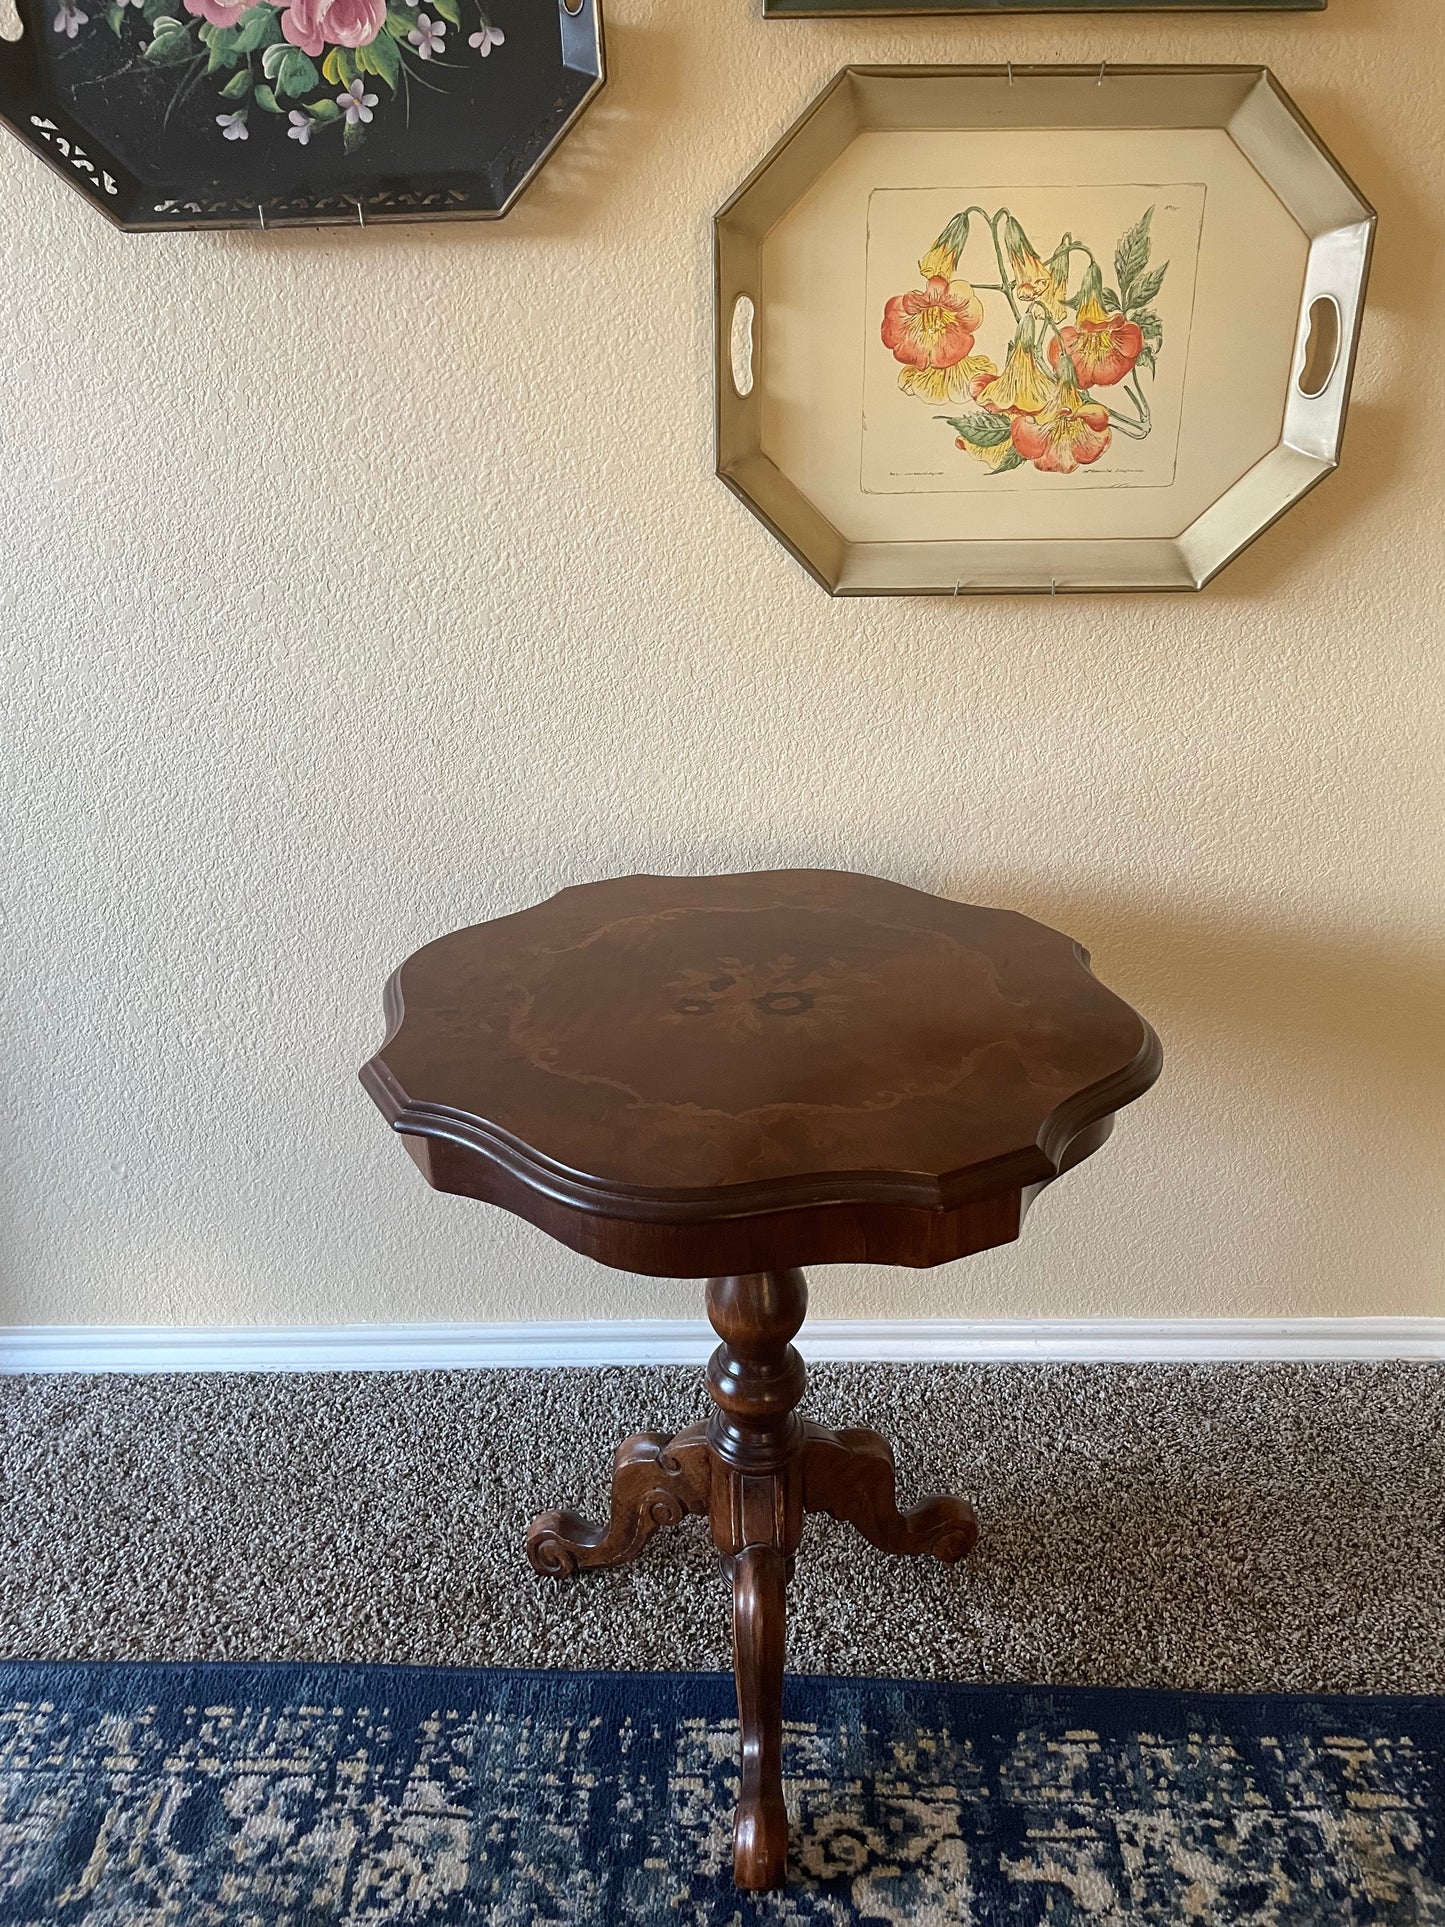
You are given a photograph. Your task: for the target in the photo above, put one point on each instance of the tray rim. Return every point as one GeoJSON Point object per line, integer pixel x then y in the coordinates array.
{"type": "Point", "coordinates": [78, 142]}
{"type": "Point", "coordinates": [726, 399]}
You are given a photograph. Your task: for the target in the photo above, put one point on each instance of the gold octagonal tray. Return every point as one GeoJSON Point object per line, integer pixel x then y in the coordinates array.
{"type": "Point", "coordinates": [988, 328]}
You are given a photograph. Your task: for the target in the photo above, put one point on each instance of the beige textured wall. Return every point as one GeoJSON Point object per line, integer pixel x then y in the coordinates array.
{"type": "Point", "coordinates": [361, 585]}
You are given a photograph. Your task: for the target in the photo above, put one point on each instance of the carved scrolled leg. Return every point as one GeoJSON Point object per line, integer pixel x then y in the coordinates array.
{"type": "Point", "coordinates": [851, 1476]}
{"type": "Point", "coordinates": [655, 1481]}
{"type": "Point", "coordinates": [760, 1831]}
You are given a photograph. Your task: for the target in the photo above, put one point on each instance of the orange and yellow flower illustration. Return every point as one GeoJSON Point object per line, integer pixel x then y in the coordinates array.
{"type": "Point", "coordinates": [1040, 283]}
{"type": "Point", "coordinates": [931, 330]}
{"type": "Point", "coordinates": [1039, 406]}
{"type": "Point", "coordinates": [1024, 386]}
{"type": "Point", "coordinates": [1067, 433]}
{"type": "Point", "coordinates": [1102, 347]}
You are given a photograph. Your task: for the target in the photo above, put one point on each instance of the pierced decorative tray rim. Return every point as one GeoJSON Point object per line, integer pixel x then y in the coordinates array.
{"type": "Point", "coordinates": [480, 186]}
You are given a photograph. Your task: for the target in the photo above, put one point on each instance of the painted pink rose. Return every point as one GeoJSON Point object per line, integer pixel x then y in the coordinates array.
{"type": "Point", "coordinates": [220, 13]}
{"type": "Point", "coordinates": [312, 25]}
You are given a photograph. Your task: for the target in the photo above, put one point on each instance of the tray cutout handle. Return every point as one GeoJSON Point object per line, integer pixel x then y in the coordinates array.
{"type": "Point", "coordinates": [1321, 348]}
{"type": "Point", "coordinates": [740, 345]}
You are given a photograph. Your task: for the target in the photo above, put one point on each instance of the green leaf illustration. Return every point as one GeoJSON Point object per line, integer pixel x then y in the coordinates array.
{"type": "Point", "coordinates": [258, 27]}
{"type": "Point", "coordinates": [984, 430]}
{"type": "Point", "coordinates": [1131, 257]}
{"type": "Point", "coordinates": [449, 11]}
{"type": "Point", "coordinates": [1012, 460]}
{"type": "Point", "coordinates": [288, 70]}
{"type": "Point", "coordinates": [353, 136]}
{"type": "Point", "coordinates": [399, 25]}
{"type": "Point", "coordinates": [323, 109]}
{"type": "Point", "coordinates": [238, 86]}
{"type": "Point", "coordinates": [265, 98]}
{"type": "Point", "coordinates": [1112, 301]}
{"type": "Point", "coordinates": [1152, 329]}
{"type": "Point", "coordinates": [340, 66]}
{"type": "Point", "coordinates": [382, 57]}
{"type": "Point", "coordinates": [113, 18]}
{"type": "Point", "coordinates": [171, 44]}
{"type": "Point", "coordinates": [1146, 287]}
{"type": "Point", "coordinates": [222, 43]}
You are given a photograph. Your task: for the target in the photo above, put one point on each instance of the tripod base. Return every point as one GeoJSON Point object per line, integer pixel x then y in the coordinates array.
{"type": "Point", "coordinates": [755, 1469]}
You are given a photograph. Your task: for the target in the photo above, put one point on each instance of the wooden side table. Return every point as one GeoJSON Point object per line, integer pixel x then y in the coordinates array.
{"type": "Point", "coordinates": [730, 1077]}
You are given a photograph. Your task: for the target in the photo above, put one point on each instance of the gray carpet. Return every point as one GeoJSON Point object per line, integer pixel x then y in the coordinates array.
{"type": "Point", "coordinates": [1233, 1528]}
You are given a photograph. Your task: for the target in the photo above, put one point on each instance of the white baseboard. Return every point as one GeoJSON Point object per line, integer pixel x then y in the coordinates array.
{"type": "Point", "coordinates": [642, 1341]}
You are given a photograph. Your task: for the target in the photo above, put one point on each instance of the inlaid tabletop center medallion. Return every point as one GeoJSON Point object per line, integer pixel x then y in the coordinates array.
{"type": "Point", "coordinates": [730, 1012]}
{"type": "Point", "coordinates": [730, 1077]}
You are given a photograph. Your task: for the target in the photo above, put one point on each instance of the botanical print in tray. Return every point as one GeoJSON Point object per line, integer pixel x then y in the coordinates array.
{"type": "Point", "coordinates": [1027, 337]}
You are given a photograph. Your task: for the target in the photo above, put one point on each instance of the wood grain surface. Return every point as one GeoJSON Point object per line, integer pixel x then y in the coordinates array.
{"type": "Point", "coordinates": [699, 1075]}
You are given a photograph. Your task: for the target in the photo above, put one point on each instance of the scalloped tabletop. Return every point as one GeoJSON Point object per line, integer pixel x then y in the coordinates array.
{"type": "Point", "coordinates": [789, 1066]}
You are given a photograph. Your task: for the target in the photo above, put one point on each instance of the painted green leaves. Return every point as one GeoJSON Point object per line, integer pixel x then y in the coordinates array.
{"type": "Point", "coordinates": [1139, 284]}
{"type": "Point", "coordinates": [984, 430]}
{"type": "Point", "coordinates": [289, 71]}
{"type": "Point", "coordinates": [311, 63]}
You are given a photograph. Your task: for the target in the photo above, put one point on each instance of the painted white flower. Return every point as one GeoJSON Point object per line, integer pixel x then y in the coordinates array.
{"type": "Point", "coordinates": [356, 104]}
{"type": "Point", "coordinates": [300, 128]}
{"type": "Point", "coordinates": [488, 38]}
{"type": "Point", "coordinates": [428, 36]}
{"type": "Point", "coordinates": [233, 126]}
{"type": "Point", "coordinates": [69, 19]}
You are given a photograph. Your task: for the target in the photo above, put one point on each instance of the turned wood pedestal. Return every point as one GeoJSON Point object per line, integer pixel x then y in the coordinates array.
{"type": "Point", "coordinates": [728, 1077]}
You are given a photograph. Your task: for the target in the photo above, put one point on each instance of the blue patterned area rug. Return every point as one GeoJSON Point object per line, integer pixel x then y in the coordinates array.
{"type": "Point", "coordinates": [291, 1796]}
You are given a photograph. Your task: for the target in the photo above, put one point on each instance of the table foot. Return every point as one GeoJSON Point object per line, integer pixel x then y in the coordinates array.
{"type": "Point", "coordinates": [760, 1831]}
{"type": "Point", "coordinates": [851, 1476]}
{"type": "Point", "coordinates": [655, 1481]}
